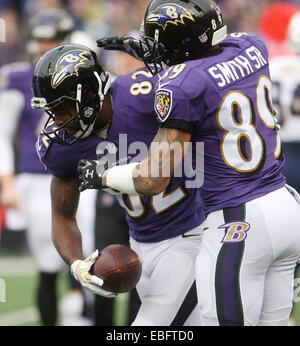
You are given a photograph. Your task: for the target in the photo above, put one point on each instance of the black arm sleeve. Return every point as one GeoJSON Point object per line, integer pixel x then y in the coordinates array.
{"type": "Point", "coordinates": [178, 124]}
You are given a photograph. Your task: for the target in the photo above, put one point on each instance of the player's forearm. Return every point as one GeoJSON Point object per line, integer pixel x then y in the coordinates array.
{"type": "Point", "coordinates": [11, 105]}
{"type": "Point", "coordinates": [135, 178]}
{"type": "Point", "coordinates": [66, 238]}
{"type": "Point", "coordinates": [7, 157]}
{"type": "Point", "coordinates": [147, 181]}
{"type": "Point", "coordinates": [150, 177]}
{"type": "Point", "coordinates": [166, 152]}
{"type": "Point", "coordinates": [65, 232]}
{"type": "Point", "coordinates": [7, 180]}
{"type": "Point", "coordinates": [153, 174]}
{"type": "Point", "coordinates": [8, 197]}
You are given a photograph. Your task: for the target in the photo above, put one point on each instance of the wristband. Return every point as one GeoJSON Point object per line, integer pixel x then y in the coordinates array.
{"type": "Point", "coordinates": [121, 178]}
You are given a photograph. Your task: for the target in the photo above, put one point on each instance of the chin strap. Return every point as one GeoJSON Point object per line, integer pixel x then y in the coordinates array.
{"type": "Point", "coordinates": [88, 128]}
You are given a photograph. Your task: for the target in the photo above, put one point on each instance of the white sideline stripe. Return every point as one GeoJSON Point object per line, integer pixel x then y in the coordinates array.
{"type": "Point", "coordinates": [19, 317]}
{"type": "Point", "coordinates": [17, 266]}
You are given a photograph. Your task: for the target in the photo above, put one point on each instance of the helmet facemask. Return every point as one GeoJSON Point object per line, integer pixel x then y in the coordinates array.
{"type": "Point", "coordinates": [81, 108]}
{"type": "Point", "coordinates": [153, 54]}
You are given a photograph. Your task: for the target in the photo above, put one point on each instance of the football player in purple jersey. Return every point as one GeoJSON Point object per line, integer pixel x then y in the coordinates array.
{"type": "Point", "coordinates": [217, 88]}
{"type": "Point", "coordinates": [23, 179]}
{"type": "Point", "coordinates": [24, 183]}
{"type": "Point", "coordinates": [90, 117]}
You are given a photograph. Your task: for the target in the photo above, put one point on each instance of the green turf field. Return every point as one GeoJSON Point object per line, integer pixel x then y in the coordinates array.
{"type": "Point", "coordinates": [18, 281]}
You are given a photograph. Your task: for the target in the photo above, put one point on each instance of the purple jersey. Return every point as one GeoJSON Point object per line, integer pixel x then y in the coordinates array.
{"type": "Point", "coordinates": [224, 101]}
{"type": "Point", "coordinates": [18, 78]}
{"type": "Point", "coordinates": [134, 125]}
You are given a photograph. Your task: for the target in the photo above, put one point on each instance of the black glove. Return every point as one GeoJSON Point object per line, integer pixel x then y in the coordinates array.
{"type": "Point", "coordinates": [125, 44]}
{"type": "Point", "coordinates": [90, 173]}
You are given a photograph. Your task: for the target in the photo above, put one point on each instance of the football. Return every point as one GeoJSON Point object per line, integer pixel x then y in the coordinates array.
{"type": "Point", "coordinates": [119, 267]}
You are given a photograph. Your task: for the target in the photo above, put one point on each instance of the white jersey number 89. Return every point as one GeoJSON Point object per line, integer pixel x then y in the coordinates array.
{"type": "Point", "coordinates": [238, 132]}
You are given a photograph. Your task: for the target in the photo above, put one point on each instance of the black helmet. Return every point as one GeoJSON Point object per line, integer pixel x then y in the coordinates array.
{"type": "Point", "coordinates": [69, 72]}
{"type": "Point", "coordinates": [178, 30]}
{"type": "Point", "coordinates": [49, 25]}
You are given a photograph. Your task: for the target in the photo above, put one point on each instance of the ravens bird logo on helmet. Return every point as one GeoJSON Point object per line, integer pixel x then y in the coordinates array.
{"type": "Point", "coordinates": [169, 14]}
{"type": "Point", "coordinates": [180, 30]}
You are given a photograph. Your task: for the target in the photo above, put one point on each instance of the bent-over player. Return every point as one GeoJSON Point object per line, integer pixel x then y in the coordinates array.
{"type": "Point", "coordinates": [87, 117]}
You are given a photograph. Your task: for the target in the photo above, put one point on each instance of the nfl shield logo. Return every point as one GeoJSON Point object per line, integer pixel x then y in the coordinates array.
{"type": "Point", "coordinates": [217, 8]}
{"type": "Point", "coordinates": [203, 38]}
{"type": "Point", "coordinates": [163, 103]}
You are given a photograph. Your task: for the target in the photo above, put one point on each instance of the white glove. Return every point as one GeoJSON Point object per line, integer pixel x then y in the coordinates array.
{"type": "Point", "coordinates": [80, 271]}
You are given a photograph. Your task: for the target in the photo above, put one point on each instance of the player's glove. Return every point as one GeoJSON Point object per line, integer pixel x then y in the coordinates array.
{"type": "Point", "coordinates": [125, 44]}
{"type": "Point", "coordinates": [80, 269]}
{"type": "Point", "coordinates": [90, 173]}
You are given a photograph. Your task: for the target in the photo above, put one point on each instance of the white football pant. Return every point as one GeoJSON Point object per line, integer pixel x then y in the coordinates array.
{"type": "Point", "coordinates": [167, 287]}
{"type": "Point", "coordinates": [245, 268]}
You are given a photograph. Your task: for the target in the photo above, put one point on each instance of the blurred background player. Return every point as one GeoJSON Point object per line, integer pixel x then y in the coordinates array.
{"type": "Point", "coordinates": [24, 181]}
{"type": "Point", "coordinates": [285, 73]}
{"type": "Point", "coordinates": [272, 26]}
